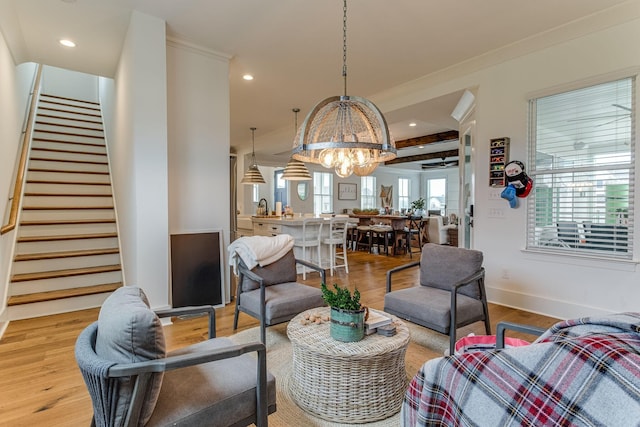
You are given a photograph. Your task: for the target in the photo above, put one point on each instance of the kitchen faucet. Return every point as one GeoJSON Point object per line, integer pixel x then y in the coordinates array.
{"type": "Point", "coordinates": [263, 207]}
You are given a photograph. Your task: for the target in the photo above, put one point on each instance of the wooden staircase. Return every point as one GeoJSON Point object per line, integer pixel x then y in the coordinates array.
{"type": "Point", "coordinates": [67, 254]}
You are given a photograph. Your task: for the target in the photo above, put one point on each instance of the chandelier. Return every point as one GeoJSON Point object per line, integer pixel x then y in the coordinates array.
{"type": "Point", "coordinates": [347, 133]}
{"type": "Point", "coordinates": [296, 170]}
{"type": "Point", "coordinates": [253, 175]}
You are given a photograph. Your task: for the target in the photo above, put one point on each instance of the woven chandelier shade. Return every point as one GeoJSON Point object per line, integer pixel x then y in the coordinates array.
{"type": "Point", "coordinates": [296, 171]}
{"type": "Point", "coordinates": [253, 175]}
{"type": "Point", "coordinates": [344, 132]}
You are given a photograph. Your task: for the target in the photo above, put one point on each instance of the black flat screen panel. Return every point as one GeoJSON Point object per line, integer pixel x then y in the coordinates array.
{"type": "Point", "coordinates": [196, 269]}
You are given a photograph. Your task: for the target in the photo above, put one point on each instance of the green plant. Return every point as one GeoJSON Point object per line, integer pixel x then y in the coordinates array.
{"type": "Point", "coordinates": [341, 297]}
{"type": "Point", "coordinates": [418, 204]}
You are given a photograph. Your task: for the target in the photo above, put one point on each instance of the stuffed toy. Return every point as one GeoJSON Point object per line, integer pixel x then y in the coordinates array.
{"type": "Point", "coordinates": [509, 194]}
{"type": "Point", "coordinates": [518, 178]}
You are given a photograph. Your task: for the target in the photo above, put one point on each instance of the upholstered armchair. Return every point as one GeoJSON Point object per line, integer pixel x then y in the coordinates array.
{"type": "Point", "coordinates": [450, 293]}
{"type": "Point", "coordinates": [133, 381]}
{"type": "Point", "coordinates": [272, 293]}
{"type": "Point", "coordinates": [579, 372]}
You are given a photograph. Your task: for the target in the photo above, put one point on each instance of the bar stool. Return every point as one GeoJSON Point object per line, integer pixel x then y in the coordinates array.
{"type": "Point", "coordinates": [363, 232]}
{"type": "Point", "coordinates": [411, 231]}
{"type": "Point", "coordinates": [382, 231]}
{"type": "Point", "coordinates": [337, 238]}
{"type": "Point", "coordinates": [311, 232]}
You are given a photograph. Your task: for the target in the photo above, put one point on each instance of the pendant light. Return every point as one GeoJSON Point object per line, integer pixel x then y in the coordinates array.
{"type": "Point", "coordinates": [253, 175]}
{"type": "Point", "coordinates": [346, 133]}
{"type": "Point", "coordinates": [296, 170]}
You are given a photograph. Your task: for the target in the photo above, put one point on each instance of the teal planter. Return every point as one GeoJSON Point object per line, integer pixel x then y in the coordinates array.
{"type": "Point", "coordinates": [347, 325]}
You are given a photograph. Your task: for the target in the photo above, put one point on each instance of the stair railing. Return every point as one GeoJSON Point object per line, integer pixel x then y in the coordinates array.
{"type": "Point", "coordinates": [24, 153]}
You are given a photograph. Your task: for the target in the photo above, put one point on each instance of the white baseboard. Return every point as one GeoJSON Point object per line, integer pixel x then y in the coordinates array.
{"type": "Point", "coordinates": [540, 305]}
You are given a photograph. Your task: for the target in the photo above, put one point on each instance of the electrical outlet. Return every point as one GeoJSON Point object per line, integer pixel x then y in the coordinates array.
{"type": "Point", "coordinates": [505, 274]}
{"type": "Point", "coordinates": [496, 213]}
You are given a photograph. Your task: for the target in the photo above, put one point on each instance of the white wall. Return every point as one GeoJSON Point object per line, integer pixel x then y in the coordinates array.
{"type": "Point", "coordinates": [561, 286]}
{"type": "Point", "coordinates": [69, 84]}
{"type": "Point", "coordinates": [15, 86]}
{"type": "Point", "coordinates": [198, 139]}
{"type": "Point", "coordinates": [138, 152]}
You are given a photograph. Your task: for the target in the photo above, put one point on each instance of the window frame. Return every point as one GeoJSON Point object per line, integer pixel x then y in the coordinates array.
{"type": "Point", "coordinates": [319, 196]}
{"type": "Point", "coordinates": [367, 201]}
{"type": "Point", "coordinates": [559, 202]}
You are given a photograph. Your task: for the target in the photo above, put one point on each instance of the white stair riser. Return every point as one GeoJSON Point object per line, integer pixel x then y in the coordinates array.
{"type": "Point", "coordinates": [47, 308]}
{"type": "Point", "coordinates": [41, 265]}
{"type": "Point", "coordinates": [78, 157]}
{"type": "Point", "coordinates": [67, 188]}
{"type": "Point", "coordinates": [75, 102]}
{"type": "Point", "coordinates": [68, 129]}
{"type": "Point", "coordinates": [37, 215]}
{"type": "Point", "coordinates": [60, 283]}
{"type": "Point", "coordinates": [65, 245]}
{"type": "Point", "coordinates": [64, 166]}
{"type": "Point", "coordinates": [60, 111]}
{"type": "Point", "coordinates": [67, 201]}
{"type": "Point", "coordinates": [93, 148]}
{"type": "Point", "coordinates": [60, 120]}
{"type": "Point", "coordinates": [68, 138]}
{"type": "Point", "coordinates": [55, 104]}
{"type": "Point", "coordinates": [67, 177]}
{"type": "Point", "coordinates": [65, 229]}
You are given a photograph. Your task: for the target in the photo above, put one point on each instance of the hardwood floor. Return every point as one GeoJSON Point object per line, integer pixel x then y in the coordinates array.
{"type": "Point", "coordinates": [40, 383]}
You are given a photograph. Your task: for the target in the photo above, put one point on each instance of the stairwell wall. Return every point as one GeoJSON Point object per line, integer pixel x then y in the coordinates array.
{"type": "Point", "coordinates": [15, 85]}
{"type": "Point", "coordinates": [137, 144]}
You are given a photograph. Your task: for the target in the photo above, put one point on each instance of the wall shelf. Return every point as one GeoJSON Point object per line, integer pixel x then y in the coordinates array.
{"type": "Point", "coordinates": [498, 158]}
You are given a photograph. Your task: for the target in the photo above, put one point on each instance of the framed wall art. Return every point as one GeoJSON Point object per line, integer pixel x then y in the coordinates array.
{"type": "Point", "coordinates": [347, 191]}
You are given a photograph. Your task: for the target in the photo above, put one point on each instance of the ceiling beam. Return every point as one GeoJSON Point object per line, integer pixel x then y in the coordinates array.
{"type": "Point", "coordinates": [422, 157]}
{"type": "Point", "coordinates": [435, 138]}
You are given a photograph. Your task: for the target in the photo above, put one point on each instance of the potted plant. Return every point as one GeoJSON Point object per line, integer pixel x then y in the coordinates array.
{"type": "Point", "coordinates": [418, 207]}
{"type": "Point", "coordinates": [347, 314]}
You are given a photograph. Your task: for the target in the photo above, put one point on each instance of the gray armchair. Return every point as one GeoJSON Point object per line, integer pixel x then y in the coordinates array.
{"type": "Point", "coordinates": [450, 294]}
{"type": "Point", "coordinates": [272, 293]}
{"type": "Point", "coordinates": [133, 382]}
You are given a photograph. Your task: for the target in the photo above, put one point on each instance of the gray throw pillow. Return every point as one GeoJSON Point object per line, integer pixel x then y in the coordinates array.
{"type": "Point", "coordinates": [281, 271]}
{"type": "Point", "coordinates": [129, 331]}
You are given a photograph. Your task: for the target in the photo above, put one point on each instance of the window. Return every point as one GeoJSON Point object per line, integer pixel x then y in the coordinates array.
{"type": "Point", "coordinates": [437, 195]}
{"type": "Point", "coordinates": [403, 194]}
{"type": "Point", "coordinates": [255, 193]}
{"type": "Point", "coordinates": [581, 161]}
{"type": "Point", "coordinates": [322, 192]}
{"type": "Point", "coordinates": [368, 192]}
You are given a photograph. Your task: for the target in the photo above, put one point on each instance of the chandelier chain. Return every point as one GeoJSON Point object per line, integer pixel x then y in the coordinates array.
{"type": "Point", "coordinates": [344, 46]}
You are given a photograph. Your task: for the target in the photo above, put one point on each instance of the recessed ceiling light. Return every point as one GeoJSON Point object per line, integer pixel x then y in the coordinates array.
{"type": "Point", "coordinates": [247, 77]}
{"type": "Point", "coordinates": [67, 43]}
{"type": "Point", "coordinates": [412, 124]}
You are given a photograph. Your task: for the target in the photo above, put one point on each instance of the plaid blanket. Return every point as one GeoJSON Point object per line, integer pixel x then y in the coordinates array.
{"type": "Point", "coordinates": [582, 372]}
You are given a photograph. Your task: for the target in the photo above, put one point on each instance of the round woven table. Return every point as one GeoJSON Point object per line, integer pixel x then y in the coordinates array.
{"type": "Point", "coordinates": [355, 382]}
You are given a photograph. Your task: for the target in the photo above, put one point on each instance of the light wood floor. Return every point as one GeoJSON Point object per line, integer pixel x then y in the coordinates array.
{"type": "Point", "coordinates": [40, 383]}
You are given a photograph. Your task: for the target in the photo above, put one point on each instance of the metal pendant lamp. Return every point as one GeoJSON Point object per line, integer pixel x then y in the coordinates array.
{"type": "Point", "coordinates": [347, 133]}
{"type": "Point", "coordinates": [253, 175]}
{"type": "Point", "coordinates": [295, 169]}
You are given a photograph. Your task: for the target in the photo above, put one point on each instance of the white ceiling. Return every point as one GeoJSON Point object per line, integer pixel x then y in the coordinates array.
{"type": "Point", "coordinates": [294, 47]}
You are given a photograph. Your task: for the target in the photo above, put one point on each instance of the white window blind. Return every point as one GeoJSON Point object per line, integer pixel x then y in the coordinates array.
{"type": "Point", "coordinates": [583, 166]}
{"type": "Point", "coordinates": [403, 193]}
{"type": "Point", "coordinates": [368, 192]}
{"type": "Point", "coordinates": [322, 192]}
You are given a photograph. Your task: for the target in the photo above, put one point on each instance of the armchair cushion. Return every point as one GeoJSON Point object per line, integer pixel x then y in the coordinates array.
{"type": "Point", "coordinates": [431, 306]}
{"type": "Point", "coordinates": [207, 394]}
{"type": "Point", "coordinates": [281, 271]}
{"type": "Point", "coordinates": [291, 298]}
{"type": "Point", "coordinates": [460, 265]}
{"type": "Point", "coordinates": [129, 331]}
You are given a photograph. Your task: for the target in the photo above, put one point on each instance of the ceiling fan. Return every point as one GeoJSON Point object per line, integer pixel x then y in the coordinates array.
{"type": "Point", "coordinates": [440, 165]}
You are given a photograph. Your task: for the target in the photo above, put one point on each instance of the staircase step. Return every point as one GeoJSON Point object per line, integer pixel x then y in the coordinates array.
{"type": "Point", "coordinates": [66, 254]}
{"type": "Point", "coordinates": [64, 293]}
{"type": "Point", "coordinates": [42, 121]}
{"type": "Point", "coordinates": [65, 151]}
{"type": "Point", "coordinates": [54, 108]}
{"type": "Point", "coordinates": [45, 194]}
{"type": "Point", "coordinates": [65, 106]}
{"type": "Point", "coordinates": [54, 215]}
{"type": "Point", "coordinates": [66, 237]}
{"type": "Point", "coordinates": [63, 208]}
{"type": "Point", "coordinates": [83, 260]}
{"type": "Point", "coordinates": [56, 229]}
{"type": "Point", "coordinates": [48, 170]}
{"type": "Point", "coordinates": [68, 222]}
{"type": "Point", "coordinates": [61, 118]}
{"type": "Point", "coordinates": [96, 145]}
{"type": "Point", "coordinates": [85, 162]}
{"type": "Point", "coordinates": [63, 273]}
{"type": "Point", "coordinates": [69, 189]}
{"type": "Point", "coordinates": [71, 101]}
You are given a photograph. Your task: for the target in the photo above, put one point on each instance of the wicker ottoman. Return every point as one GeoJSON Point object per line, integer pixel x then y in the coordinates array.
{"type": "Point", "coordinates": [355, 382]}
